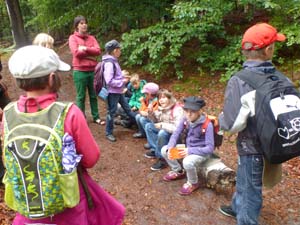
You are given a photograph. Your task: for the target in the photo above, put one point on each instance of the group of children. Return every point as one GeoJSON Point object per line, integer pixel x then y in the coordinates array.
{"type": "Point", "coordinates": [173, 130]}
{"type": "Point", "coordinates": [162, 120]}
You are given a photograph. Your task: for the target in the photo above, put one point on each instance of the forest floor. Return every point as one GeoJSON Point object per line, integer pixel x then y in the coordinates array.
{"type": "Point", "coordinates": [125, 173]}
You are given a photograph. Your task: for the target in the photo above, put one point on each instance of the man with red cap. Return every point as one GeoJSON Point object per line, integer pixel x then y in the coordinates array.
{"type": "Point", "coordinates": [258, 47]}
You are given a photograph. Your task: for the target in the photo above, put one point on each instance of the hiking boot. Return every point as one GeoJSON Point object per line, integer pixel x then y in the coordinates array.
{"type": "Point", "coordinates": [150, 155]}
{"type": "Point", "coordinates": [147, 146]}
{"type": "Point", "coordinates": [138, 135]}
{"type": "Point", "coordinates": [111, 138]}
{"type": "Point", "coordinates": [188, 188]}
{"type": "Point", "coordinates": [173, 175]}
{"type": "Point", "coordinates": [160, 164]}
{"type": "Point", "coordinates": [227, 211]}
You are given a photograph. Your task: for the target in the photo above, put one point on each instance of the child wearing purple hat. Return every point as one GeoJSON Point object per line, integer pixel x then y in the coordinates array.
{"type": "Point", "coordinates": [198, 145]}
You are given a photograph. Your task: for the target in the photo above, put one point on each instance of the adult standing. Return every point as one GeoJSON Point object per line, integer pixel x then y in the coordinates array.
{"type": "Point", "coordinates": [85, 49]}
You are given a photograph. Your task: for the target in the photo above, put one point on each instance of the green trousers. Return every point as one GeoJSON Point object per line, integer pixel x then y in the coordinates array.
{"type": "Point", "coordinates": [85, 80]}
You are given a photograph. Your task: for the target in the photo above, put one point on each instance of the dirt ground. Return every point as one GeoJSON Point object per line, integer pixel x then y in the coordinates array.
{"type": "Point", "coordinates": [125, 173]}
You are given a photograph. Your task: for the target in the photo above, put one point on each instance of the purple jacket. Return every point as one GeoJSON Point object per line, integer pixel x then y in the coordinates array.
{"type": "Point", "coordinates": [114, 80]}
{"type": "Point", "coordinates": [196, 142]}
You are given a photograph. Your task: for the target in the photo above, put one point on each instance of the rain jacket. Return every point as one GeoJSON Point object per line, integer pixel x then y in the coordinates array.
{"type": "Point", "coordinates": [113, 75]}
{"type": "Point", "coordinates": [196, 142]}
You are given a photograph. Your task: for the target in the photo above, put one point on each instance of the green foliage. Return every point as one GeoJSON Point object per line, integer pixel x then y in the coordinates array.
{"type": "Point", "coordinates": [215, 42]}
{"type": "Point", "coordinates": [160, 47]}
{"type": "Point", "coordinates": [167, 38]}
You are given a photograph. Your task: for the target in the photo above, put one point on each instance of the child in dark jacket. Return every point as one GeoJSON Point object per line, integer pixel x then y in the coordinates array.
{"type": "Point", "coordinates": [199, 145]}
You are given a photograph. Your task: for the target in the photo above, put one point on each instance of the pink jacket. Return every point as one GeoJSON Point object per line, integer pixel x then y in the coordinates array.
{"type": "Point", "coordinates": [84, 60]}
{"type": "Point", "coordinates": [106, 211]}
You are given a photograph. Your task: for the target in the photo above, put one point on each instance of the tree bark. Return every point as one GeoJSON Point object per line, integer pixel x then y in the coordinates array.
{"type": "Point", "coordinates": [16, 21]}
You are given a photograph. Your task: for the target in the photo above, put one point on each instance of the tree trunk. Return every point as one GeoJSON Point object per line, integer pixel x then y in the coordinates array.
{"type": "Point", "coordinates": [16, 20]}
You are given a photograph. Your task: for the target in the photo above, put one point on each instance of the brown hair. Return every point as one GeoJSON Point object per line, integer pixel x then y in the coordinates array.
{"type": "Point", "coordinates": [77, 20]}
{"type": "Point", "coordinates": [257, 54]}
{"type": "Point", "coordinates": [167, 93]}
{"type": "Point", "coordinates": [39, 83]}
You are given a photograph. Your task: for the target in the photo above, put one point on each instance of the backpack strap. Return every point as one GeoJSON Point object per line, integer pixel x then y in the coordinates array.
{"type": "Point", "coordinates": [255, 79]}
{"type": "Point", "coordinates": [103, 64]}
{"type": "Point", "coordinates": [205, 124]}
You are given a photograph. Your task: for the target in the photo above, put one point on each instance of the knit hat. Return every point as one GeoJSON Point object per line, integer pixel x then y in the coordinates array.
{"type": "Point", "coordinates": [193, 103]}
{"type": "Point", "coordinates": [112, 45]}
{"type": "Point", "coordinates": [260, 36]}
{"type": "Point", "coordinates": [35, 61]}
{"type": "Point", "coordinates": [150, 88]}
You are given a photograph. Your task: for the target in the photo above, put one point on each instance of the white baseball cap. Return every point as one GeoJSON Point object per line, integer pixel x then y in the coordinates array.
{"type": "Point", "coordinates": [35, 61]}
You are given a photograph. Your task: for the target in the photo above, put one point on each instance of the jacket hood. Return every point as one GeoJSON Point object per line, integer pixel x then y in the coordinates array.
{"type": "Point", "coordinates": [200, 120]}
{"type": "Point", "coordinates": [108, 56]}
{"type": "Point", "coordinates": [76, 33]}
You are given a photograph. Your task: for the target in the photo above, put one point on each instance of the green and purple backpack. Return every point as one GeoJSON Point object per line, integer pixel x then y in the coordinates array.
{"type": "Point", "coordinates": [35, 181]}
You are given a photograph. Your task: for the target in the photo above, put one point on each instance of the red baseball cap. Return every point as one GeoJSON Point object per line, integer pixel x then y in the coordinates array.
{"type": "Point", "coordinates": [259, 36]}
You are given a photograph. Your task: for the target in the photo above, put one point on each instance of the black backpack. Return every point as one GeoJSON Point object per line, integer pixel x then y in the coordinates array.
{"type": "Point", "coordinates": [277, 114]}
{"type": "Point", "coordinates": [99, 80]}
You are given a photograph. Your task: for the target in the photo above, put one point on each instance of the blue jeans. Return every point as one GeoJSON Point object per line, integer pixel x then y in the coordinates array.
{"type": "Point", "coordinates": [141, 122]}
{"type": "Point", "coordinates": [112, 106]}
{"type": "Point", "coordinates": [247, 200]}
{"type": "Point", "coordinates": [156, 138]}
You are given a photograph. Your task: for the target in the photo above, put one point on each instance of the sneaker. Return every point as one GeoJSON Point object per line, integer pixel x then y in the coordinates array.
{"type": "Point", "coordinates": [173, 175]}
{"type": "Point", "coordinates": [188, 188]}
{"type": "Point", "coordinates": [147, 146]}
{"type": "Point", "coordinates": [150, 155]}
{"type": "Point", "coordinates": [138, 135]}
{"type": "Point", "coordinates": [111, 138]}
{"type": "Point", "coordinates": [160, 164]}
{"type": "Point", "coordinates": [227, 211]}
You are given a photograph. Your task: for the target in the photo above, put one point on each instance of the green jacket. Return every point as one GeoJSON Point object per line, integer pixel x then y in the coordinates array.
{"type": "Point", "coordinates": [136, 95]}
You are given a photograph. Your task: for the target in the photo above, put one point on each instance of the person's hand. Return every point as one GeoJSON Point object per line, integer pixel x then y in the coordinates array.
{"type": "Point", "coordinates": [150, 108]}
{"type": "Point", "coordinates": [158, 125]}
{"type": "Point", "coordinates": [124, 90]}
{"type": "Point", "coordinates": [183, 152]}
{"type": "Point", "coordinates": [81, 48]}
{"type": "Point", "coordinates": [144, 113]}
{"type": "Point", "coordinates": [134, 109]}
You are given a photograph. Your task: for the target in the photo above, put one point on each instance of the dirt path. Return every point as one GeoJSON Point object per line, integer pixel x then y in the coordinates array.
{"type": "Point", "coordinates": [124, 172]}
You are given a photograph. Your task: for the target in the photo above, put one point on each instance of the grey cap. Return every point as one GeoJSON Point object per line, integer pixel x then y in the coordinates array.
{"type": "Point", "coordinates": [193, 103]}
{"type": "Point", "coordinates": [112, 45]}
{"type": "Point", "coordinates": [35, 61]}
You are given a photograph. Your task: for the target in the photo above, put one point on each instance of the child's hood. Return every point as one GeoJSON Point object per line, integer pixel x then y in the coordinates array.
{"type": "Point", "coordinates": [108, 56]}
{"type": "Point", "coordinates": [200, 120]}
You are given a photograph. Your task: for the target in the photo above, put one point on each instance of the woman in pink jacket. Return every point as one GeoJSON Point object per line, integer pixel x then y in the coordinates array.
{"type": "Point", "coordinates": [35, 69]}
{"type": "Point", "coordinates": [85, 49]}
